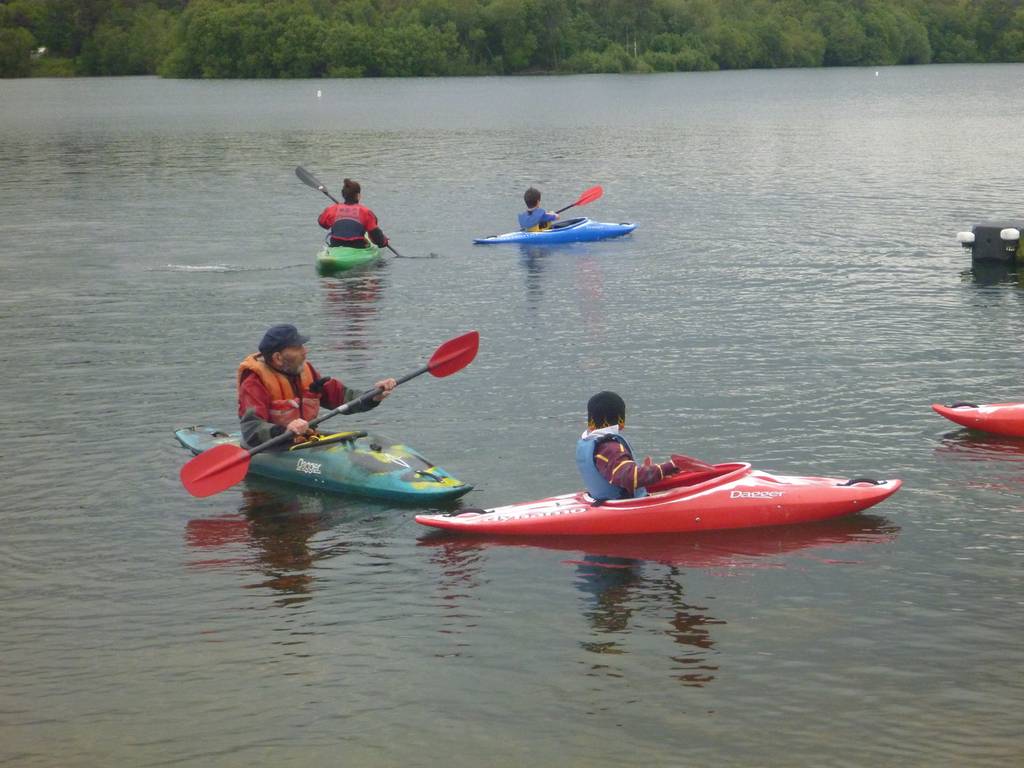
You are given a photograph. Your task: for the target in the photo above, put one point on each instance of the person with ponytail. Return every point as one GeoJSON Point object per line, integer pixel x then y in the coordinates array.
{"type": "Point", "coordinates": [605, 459]}
{"type": "Point", "coordinates": [351, 222]}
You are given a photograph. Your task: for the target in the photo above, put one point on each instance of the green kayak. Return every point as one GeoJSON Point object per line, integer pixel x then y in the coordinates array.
{"type": "Point", "coordinates": [333, 259]}
{"type": "Point", "coordinates": [346, 462]}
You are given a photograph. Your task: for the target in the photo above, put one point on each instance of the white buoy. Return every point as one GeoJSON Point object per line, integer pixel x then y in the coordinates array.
{"type": "Point", "coordinates": [876, 73]}
{"type": "Point", "coordinates": [1009, 234]}
{"type": "Point", "coordinates": [318, 93]}
{"type": "Point", "coordinates": [965, 238]}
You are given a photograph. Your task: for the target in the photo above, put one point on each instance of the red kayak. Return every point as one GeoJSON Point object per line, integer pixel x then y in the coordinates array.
{"type": "Point", "coordinates": [996, 418]}
{"type": "Point", "coordinates": [722, 497]}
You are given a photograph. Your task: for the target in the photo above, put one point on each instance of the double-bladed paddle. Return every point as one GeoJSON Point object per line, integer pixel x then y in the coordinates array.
{"type": "Point", "coordinates": [312, 181]}
{"type": "Point", "coordinates": [221, 467]}
{"type": "Point", "coordinates": [587, 197]}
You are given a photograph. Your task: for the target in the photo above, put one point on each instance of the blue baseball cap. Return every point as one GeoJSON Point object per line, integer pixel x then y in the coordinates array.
{"type": "Point", "coordinates": [278, 337]}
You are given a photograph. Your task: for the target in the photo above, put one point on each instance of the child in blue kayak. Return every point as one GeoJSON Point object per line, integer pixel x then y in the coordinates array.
{"type": "Point", "coordinates": [534, 218]}
{"type": "Point", "coordinates": [605, 459]}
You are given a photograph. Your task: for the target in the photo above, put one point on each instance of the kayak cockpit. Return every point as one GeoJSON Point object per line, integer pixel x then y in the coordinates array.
{"type": "Point", "coordinates": [689, 482]}
{"type": "Point", "coordinates": [567, 224]}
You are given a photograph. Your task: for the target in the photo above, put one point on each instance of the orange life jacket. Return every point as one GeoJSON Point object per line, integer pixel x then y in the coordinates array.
{"type": "Point", "coordinates": [285, 404]}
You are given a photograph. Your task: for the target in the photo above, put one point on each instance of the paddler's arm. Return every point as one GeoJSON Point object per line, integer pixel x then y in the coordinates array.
{"type": "Point", "coordinates": [326, 219]}
{"type": "Point", "coordinates": [372, 227]}
{"type": "Point", "coordinates": [335, 393]}
{"type": "Point", "coordinates": [618, 467]}
{"type": "Point", "coordinates": [254, 413]}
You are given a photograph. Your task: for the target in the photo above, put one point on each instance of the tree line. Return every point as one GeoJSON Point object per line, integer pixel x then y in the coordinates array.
{"type": "Point", "coordinates": [402, 38]}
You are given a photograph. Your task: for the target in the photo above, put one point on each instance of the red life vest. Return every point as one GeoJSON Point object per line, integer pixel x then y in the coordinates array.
{"type": "Point", "coordinates": [348, 222]}
{"type": "Point", "coordinates": [285, 404]}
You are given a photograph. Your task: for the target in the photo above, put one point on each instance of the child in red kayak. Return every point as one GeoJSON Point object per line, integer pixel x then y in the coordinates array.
{"type": "Point", "coordinates": [605, 459]}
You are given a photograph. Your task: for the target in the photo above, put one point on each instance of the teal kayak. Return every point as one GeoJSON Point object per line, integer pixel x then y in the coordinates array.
{"type": "Point", "coordinates": [347, 462]}
{"type": "Point", "coordinates": [333, 259]}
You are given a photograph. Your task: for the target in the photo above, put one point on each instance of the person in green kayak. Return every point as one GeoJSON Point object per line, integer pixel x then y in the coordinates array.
{"type": "Point", "coordinates": [279, 390]}
{"type": "Point", "coordinates": [535, 218]}
{"type": "Point", "coordinates": [605, 459]}
{"type": "Point", "coordinates": [351, 222]}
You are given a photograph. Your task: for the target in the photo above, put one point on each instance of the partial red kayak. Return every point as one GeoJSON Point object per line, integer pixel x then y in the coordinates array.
{"type": "Point", "coordinates": [995, 418]}
{"type": "Point", "coordinates": [724, 497]}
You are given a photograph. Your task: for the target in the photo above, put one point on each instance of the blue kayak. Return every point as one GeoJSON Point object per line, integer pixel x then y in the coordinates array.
{"type": "Point", "coordinates": [568, 231]}
{"type": "Point", "coordinates": [346, 462]}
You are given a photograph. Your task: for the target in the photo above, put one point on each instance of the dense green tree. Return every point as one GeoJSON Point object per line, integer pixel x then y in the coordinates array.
{"type": "Point", "coordinates": [994, 18]}
{"type": "Point", "coordinates": [130, 41]}
{"type": "Point", "coordinates": [412, 50]}
{"type": "Point", "coordinates": [302, 48]}
{"type": "Point", "coordinates": [16, 46]}
{"type": "Point", "coordinates": [893, 37]}
{"type": "Point", "coordinates": [1010, 43]}
{"type": "Point", "coordinates": [385, 38]}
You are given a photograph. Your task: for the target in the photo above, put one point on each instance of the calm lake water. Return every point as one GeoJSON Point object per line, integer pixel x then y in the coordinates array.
{"type": "Point", "coordinates": [794, 297]}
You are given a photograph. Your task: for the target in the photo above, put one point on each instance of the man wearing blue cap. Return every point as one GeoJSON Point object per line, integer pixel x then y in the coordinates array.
{"type": "Point", "coordinates": [279, 390]}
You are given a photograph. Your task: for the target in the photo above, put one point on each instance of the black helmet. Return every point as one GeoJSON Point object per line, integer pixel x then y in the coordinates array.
{"type": "Point", "coordinates": [606, 409]}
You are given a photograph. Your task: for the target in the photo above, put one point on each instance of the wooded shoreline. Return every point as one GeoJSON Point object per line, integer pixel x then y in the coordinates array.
{"type": "Point", "coordinates": [388, 38]}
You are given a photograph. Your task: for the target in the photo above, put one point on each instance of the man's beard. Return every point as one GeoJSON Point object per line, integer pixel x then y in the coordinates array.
{"type": "Point", "coordinates": [292, 367]}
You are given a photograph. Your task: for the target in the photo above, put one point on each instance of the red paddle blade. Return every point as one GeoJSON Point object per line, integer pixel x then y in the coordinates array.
{"type": "Point", "coordinates": [454, 355]}
{"type": "Point", "coordinates": [590, 195]}
{"type": "Point", "coordinates": [690, 464]}
{"type": "Point", "coordinates": [215, 470]}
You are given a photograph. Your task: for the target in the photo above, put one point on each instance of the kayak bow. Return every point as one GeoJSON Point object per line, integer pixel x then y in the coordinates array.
{"type": "Point", "coordinates": [995, 418]}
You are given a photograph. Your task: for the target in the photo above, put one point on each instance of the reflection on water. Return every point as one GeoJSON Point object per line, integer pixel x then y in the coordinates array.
{"type": "Point", "coordinates": [966, 445]}
{"type": "Point", "coordinates": [625, 580]}
{"type": "Point", "coordinates": [588, 277]}
{"type": "Point", "coordinates": [992, 273]}
{"type": "Point", "coordinates": [994, 459]}
{"type": "Point", "coordinates": [532, 258]}
{"type": "Point", "coordinates": [619, 590]}
{"type": "Point", "coordinates": [273, 536]}
{"type": "Point", "coordinates": [459, 575]}
{"type": "Point", "coordinates": [742, 548]}
{"type": "Point", "coordinates": [351, 305]}
{"type": "Point", "coordinates": [590, 286]}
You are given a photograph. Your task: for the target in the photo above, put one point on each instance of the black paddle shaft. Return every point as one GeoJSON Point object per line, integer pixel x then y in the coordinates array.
{"type": "Point", "coordinates": [368, 395]}
{"type": "Point", "coordinates": [310, 180]}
